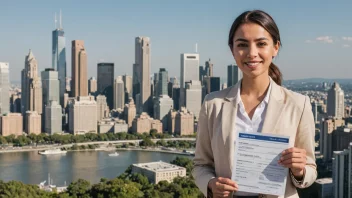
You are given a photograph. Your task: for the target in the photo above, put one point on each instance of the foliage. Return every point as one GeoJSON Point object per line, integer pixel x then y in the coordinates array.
{"type": "Point", "coordinates": [127, 185]}
{"type": "Point", "coordinates": [184, 162]}
{"type": "Point", "coordinates": [18, 189]}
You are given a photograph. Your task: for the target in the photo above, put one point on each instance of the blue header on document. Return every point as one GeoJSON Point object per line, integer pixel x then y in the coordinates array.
{"type": "Point", "coordinates": [263, 137]}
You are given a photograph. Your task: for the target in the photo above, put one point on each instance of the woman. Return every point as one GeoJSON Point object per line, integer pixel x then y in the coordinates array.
{"type": "Point", "coordinates": [257, 103]}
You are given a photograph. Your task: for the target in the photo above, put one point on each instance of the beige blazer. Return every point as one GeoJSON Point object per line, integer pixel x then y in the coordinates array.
{"type": "Point", "coordinates": [288, 113]}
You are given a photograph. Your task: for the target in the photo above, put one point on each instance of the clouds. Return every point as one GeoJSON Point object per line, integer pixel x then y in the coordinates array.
{"type": "Point", "coordinates": [347, 38]}
{"type": "Point", "coordinates": [324, 39]}
{"type": "Point", "coordinates": [331, 40]}
{"type": "Point", "coordinates": [346, 45]}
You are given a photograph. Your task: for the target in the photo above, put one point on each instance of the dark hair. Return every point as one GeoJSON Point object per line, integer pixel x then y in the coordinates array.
{"type": "Point", "coordinates": [267, 22]}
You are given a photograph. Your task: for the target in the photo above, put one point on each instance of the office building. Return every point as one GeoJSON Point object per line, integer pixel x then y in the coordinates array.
{"type": "Point", "coordinates": [11, 124]}
{"type": "Point", "coordinates": [31, 97]}
{"type": "Point", "coordinates": [189, 71]}
{"type": "Point", "coordinates": [336, 101]}
{"type": "Point", "coordinates": [342, 173]}
{"type": "Point", "coordinates": [159, 171]}
{"type": "Point", "coordinates": [33, 123]}
{"type": "Point", "coordinates": [209, 68]}
{"type": "Point", "coordinates": [127, 81]}
{"type": "Point", "coordinates": [59, 58]}
{"type": "Point", "coordinates": [144, 123]}
{"type": "Point", "coordinates": [234, 74]}
{"type": "Point", "coordinates": [102, 107]}
{"type": "Point", "coordinates": [4, 88]}
{"type": "Point", "coordinates": [79, 69]}
{"type": "Point", "coordinates": [53, 118]}
{"type": "Point", "coordinates": [130, 112]}
{"type": "Point", "coordinates": [183, 122]}
{"type": "Point", "coordinates": [105, 76]}
{"type": "Point", "coordinates": [162, 82]}
{"type": "Point", "coordinates": [211, 84]}
{"type": "Point", "coordinates": [327, 127]}
{"type": "Point", "coordinates": [162, 106]}
{"type": "Point", "coordinates": [142, 73]}
{"type": "Point", "coordinates": [194, 97]}
{"type": "Point", "coordinates": [83, 115]}
{"type": "Point", "coordinates": [119, 93]}
{"type": "Point", "coordinates": [92, 86]}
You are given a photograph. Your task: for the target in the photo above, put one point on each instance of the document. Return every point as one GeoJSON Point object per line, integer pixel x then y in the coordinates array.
{"type": "Point", "coordinates": [255, 167]}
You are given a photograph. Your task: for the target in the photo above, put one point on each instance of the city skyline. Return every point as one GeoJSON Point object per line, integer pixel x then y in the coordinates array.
{"type": "Point", "coordinates": [109, 37]}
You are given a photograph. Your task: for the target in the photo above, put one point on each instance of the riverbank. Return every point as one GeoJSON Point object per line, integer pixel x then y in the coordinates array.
{"type": "Point", "coordinates": [98, 149]}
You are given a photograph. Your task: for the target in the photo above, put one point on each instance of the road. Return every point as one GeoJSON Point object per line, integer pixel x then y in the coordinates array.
{"type": "Point", "coordinates": [43, 147]}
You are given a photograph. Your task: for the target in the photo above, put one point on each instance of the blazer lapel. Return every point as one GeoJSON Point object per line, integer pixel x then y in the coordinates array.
{"type": "Point", "coordinates": [228, 120]}
{"type": "Point", "coordinates": [274, 109]}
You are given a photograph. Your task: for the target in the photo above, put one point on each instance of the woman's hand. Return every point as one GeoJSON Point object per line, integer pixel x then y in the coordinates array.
{"type": "Point", "coordinates": [295, 159]}
{"type": "Point", "coordinates": [222, 187]}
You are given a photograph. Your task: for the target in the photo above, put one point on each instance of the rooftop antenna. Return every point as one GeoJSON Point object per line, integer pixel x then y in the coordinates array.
{"type": "Point", "coordinates": [55, 20]}
{"type": "Point", "coordinates": [60, 20]}
{"type": "Point", "coordinates": [196, 47]}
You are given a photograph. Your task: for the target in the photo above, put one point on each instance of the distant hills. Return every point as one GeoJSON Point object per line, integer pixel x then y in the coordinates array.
{"type": "Point", "coordinates": [321, 80]}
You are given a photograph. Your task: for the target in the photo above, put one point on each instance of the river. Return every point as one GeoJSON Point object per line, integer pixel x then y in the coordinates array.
{"type": "Point", "coordinates": [33, 168]}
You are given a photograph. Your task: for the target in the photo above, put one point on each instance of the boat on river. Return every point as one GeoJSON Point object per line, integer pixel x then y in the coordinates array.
{"type": "Point", "coordinates": [52, 152]}
{"type": "Point", "coordinates": [113, 154]}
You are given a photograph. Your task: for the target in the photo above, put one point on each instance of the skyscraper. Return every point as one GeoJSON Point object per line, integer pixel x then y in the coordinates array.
{"type": "Point", "coordinates": [53, 118]}
{"type": "Point", "coordinates": [51, 89]}
{"type": "Point", "coordinates": [202, 73]}
{"type": "Point", "coordinates": [83, 115]}
{"type": "Point", "coordinates": [209, 68]}
{"type": "Point", "coordinates": [106, 82]}
{"type": "Point", "coordinates": [130, 112]}
{"type": "Point", "coordinates": [31, 86]}
{"type": "Point", "coordinates": [105, 76]}
{"type": "Point", "coordinates": [59, 57]}
{"type": "Point", "coordinates": [4, 88]}
{"type": "Point", "coordinates": [211, 84]}
{"type": "Point", "coordinates": [33, 123]}
{"type": "Point", "coordinates": [127, 81]}
{"type": "Point", "coordinates": [155, 85]}
{"type": "Point", "coordinates": [51, 86]}
{"type": "Point", "coordinates": [328, 126]}
{"type": "Point", "coordinates": [162, 83]}
{"type": "Point", "coordinates": [189, 71]}
{"type": "Point", "coordinates": [342, 173]}
{"type": "Point", "coordinates": [142, 70]}
{"type": "Point", "coordinates": [102, 107]}
{"type": "Point", "coordinates": [194, 97]}
{"type": "Point", "coordinates": [336, 101]}
{"type": "Point", "coordinates": [234, 74]}
{"type": "Point", "coordinates": [92, 86]}
{"type": "Point", "coordinates": [119, 93]}
{"type": "Point", "coordinates": [79, 69]}
{"type": "Point", "coordinates": [162, 106]}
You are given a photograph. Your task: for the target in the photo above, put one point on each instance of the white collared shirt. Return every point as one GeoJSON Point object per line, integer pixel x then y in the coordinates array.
{"type": "Point", "coordinates": [245, 124]}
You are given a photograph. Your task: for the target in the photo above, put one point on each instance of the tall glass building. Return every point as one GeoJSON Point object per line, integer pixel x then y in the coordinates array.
{"type": "Point", "coordinates": [59, 58]}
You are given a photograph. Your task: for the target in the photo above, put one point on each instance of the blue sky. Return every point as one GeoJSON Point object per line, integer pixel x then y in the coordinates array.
{"type": "Point", "coordinates": [316, 35]}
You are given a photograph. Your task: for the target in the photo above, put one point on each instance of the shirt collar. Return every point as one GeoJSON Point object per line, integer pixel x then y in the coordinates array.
{"type": "Point", "coordinates": [266, 98]}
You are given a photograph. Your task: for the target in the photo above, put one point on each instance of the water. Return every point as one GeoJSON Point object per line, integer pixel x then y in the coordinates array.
{"type": "Point", "coordinates": [32, 168]}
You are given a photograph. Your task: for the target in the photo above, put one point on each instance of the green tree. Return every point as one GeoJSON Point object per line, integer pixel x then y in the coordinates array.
{"type": "Point", "coordinates": [80, 188]}
{"type": "Point", "coordinates": [184, 162]}
{"type": "Point", "coordinates": [3, 140]}
{"type": "Point", "coordinates": [18, 189]}
{"type": "Point", "coordinates": [117, 188]}
{"type": "Point", "coordinates": [10, 138]}
{"type": "Point", "coordinates": [161, 143]}
{"type": "Point", "coordinates": [147, 142]}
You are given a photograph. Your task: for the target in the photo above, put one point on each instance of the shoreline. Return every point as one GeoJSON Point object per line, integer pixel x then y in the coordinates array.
{"type": "Point", "coordinates": [100, 149]}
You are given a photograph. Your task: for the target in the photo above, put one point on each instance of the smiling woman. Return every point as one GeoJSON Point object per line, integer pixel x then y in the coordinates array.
{"type": "Point", "coordinates": [256, 104]}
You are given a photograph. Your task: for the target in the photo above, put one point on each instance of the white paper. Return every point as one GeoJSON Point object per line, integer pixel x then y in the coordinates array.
{"type": "Point", "coordinates": [255, 167]}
